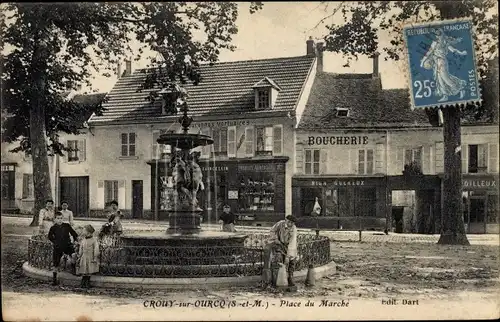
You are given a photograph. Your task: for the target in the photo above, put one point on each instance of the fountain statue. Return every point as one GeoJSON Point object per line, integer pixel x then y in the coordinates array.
{"type": "Point", "coordinates": [185, 211]}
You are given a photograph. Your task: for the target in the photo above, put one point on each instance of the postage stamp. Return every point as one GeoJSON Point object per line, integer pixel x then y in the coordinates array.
{"type": "Point", "coordinates": [441, 63]}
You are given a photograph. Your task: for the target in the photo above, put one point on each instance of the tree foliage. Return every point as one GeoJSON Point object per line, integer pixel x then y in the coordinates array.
{"type": "Point", "coordinates": [49, 49]}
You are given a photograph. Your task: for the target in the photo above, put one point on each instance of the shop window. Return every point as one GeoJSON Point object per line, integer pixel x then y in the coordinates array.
{"type": "Point", "coordinates": [308, 199]}
{"type": "Point", "coordinates": [28, 188]}
{"type": "Point", "coordinates": [220, 141]}
{"type": "Point", "coordinates": [413, 157]}
{"type": "Point", "coordinates": [160, 150]}
{"type": "Point", "coordinates": [477, 158]}
{"type": "Point", "coordinates": [110, 190]}
{"type": "Point", "coordinates": [492, 212]}
{"type": "Point", "coordinates": [365, 161]}
{"type": "Point", "coordinates": [311, 164]}
{"type": "Point", "coordinates": [264, 140]}
{"type": "Point", "coordinates": [365, 202]}
{"type": "Point", "coordinates": [256, 192]}
{"type": "Point", "coordinates": [337, 202]}
{"type": "Point", "coordinates": [128, 144]}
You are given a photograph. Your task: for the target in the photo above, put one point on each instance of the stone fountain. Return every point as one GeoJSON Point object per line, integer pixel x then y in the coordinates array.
{"type": "Point", "coordinates": [185, 212]}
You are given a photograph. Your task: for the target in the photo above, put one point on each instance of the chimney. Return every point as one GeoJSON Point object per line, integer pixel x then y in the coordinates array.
{"type": "Point", "coordinates": [119, 70]}
{"type": "Point", "coordinates": [319, 55]}
{"type": "Point", "coordinates": [375, 72]}
{"type": "Point", "coordinates": [128, 67]}
{"type": "Point", "coordinates": [310, 47]}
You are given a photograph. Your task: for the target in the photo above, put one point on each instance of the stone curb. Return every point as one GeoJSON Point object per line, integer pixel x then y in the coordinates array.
{"type": "Point", "coordinates": [66, 278]}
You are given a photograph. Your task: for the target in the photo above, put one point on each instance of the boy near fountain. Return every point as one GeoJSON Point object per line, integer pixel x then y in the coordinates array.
{"type": "Point", "coordinates": [88, 256]}
{"type": "Point", "coordinates": [228, 219]}
{"type": "Point", "coordinates": [59, 234]}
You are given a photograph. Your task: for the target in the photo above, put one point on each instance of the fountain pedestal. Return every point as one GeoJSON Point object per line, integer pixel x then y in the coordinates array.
{"type": "Point", "coordinates": [184, 222]}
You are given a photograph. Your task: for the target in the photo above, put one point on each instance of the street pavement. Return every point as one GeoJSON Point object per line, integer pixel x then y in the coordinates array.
{"type": "Point", "coordinates": [339, 235]}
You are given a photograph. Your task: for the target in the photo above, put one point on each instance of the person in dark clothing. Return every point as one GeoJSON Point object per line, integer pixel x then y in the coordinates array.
{"type": "Point", "coordinates": [59, 235]}
{"type": "Point", "coordinates": [228, 219]}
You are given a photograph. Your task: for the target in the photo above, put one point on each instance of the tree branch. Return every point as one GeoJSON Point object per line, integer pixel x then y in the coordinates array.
{"type": "Point", "coordinates": [329, 16]}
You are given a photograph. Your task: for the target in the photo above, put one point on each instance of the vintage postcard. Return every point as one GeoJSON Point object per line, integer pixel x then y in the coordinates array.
{"type": "Point", "coordinates": [241, 161]}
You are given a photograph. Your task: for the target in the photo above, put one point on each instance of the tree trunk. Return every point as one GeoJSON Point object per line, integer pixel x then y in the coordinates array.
{"type": "Point", "coordinates": [452, 224]}
{"type": "Point", "coordinates": [38, 139]}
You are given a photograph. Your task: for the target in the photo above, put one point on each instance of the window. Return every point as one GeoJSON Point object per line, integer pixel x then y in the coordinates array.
{"type": "Point", "coordinates": [365, 202]}
{"type": "Point", "coordinates": [342, 112]}
{"type": "Point", "coordinates": [263, 98]}
{"type": "Point", "coordinates": [337, 202]}
{"type": "Point", "coordinates": [160, 150]}
{"type": "Point", "coordinates": [256, 192]}
{"type": "Point", "coordinates": [128, 144]}
{"type": "Point", "coordinates": [478, 158]}
{"type": "Point", "coordinates": [76, 150]}
{"type": "Point", "coordinates": [110, 190]}
{"type": "Point", "coordinates": [28, 188]}
{"type": "Point", "coordinates": [311, 161]}
{"type": "Point", "coordinates": [220, 141]}
{"type": "Point", "coordinates": [414, 156]}
{"type": "Point", "coordinates": [264, 136]}
{"type": "Point", "coordinates": [365, 161]}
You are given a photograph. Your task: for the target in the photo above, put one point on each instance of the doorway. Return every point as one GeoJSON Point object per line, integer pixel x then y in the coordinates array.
{"type": "Point", "coordinates": [477, 215]}
{"type": "Point", "coordinates": [75, 191]}
{"type": "Point", "coordinates": [137, 199]}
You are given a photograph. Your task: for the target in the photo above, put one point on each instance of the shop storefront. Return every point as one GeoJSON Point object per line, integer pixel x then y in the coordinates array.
{"type": "Point", "coordinates": [480, 198]}
{"type": "Point", "coordinates": [346, 202]}
{"type": "Point", "coordinates": [255, 189]}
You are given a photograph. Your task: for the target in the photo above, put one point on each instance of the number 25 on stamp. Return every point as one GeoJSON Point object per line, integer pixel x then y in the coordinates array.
{"type": "Point", "coordinates": [441, 63]}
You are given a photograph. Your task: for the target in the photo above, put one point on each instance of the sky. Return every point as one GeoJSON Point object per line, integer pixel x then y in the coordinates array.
{"type": "Point", "coordinates": [281, 29]}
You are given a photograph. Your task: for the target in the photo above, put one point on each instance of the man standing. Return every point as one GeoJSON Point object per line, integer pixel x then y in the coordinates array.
{"type": "Point", "coordinates": [46, 217]}
{"type": "Point", "coordinates": [283, 245]}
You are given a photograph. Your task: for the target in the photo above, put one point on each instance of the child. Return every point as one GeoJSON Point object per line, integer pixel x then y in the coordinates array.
{"type": "Point", "coordinates": [227, 218]}
{"type": "Point", "coordinates": [59, 235]}
{"type": "Point", "coordinates": [117, 228]}
{"type": "Point", "coordinates": [88, 256]}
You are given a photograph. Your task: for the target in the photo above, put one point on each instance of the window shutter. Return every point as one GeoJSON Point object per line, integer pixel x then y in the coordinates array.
{"type": "Point", "coordinates": [231, 141]}
{"type": "Point", "coordinates": [323, 161]}
{"type": "Point", "coordinates": [465, 157]}
{"type": "Point", "coordinates": [482, 155]}
{"type": "Point", "coordinates": [81, 150]}
{"type": "Point", "coordinates": [121, 194]}
{"type": "Point", "coordinates": [379, 154]}
{"type": "Point", "coordinates": [439, 163]}
{"type": "Point", "coordinates": [400, 159]}
{"type": "Point", "coordinates": [205, 150]}
{"type": "Point", "coordinates": [354, 161]}
{"type": "Point", "coordinates": [65, 156]}
{"type": "Point", "coordinates": [249, 141]}
{"type": "Point", "coordinates": [278, 139]}
{"type": "Point", "coordinates": [100, 194]}
{"type": "Point", "coordinates": [154, 149]}
{"type": "Point", "coordinates": [25, 186]}
{"type": "Point", "coordinates": [493, 158]}
{"type": "Point", "coordinates": [425, 159]}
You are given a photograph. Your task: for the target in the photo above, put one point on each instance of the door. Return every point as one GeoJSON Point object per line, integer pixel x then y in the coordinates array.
{"type": "Point", "coordinates": [8, 186]}
{"type": "Point", "coordinates": [75, 190]}
{"type": "Point", "coordinates": [137, 206]}
{"type": "Point", "coordinates": [477, 215]}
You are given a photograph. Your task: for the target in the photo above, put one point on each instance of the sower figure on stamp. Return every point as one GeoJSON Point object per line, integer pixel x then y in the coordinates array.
{"type": "Point", "coordinates": [59, 235]}
{"type": "Point", "coordinates": [281, 248]}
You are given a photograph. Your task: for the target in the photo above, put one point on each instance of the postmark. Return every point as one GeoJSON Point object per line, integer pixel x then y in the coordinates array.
{"type": "Point", "coordinates": [441, 60]}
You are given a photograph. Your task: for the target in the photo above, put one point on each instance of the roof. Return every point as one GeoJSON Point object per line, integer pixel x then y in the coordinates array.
{"type": "Point", "coordinates": [90, 102]}
{"type": "Point", "coordinates": [224, 88]}
{"type": "Point", "coordinates": [369, 105]}
{"type": "Point", "coordinates": [267, 82]}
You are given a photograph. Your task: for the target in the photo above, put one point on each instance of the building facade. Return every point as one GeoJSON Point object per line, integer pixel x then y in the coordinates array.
{"type": "Point", "coordinates": [372, 163]}
{"type": "Point", "coordinates": [247, 107]}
